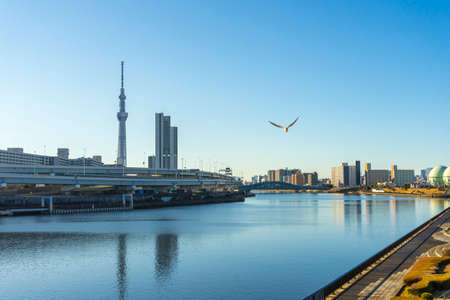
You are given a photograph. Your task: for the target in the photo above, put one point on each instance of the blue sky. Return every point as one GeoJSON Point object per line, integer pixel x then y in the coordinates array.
{"type": "Point", "coordinates": [370, 80]}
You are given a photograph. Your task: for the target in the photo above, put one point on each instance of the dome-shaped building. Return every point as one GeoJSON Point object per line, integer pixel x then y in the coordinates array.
{"type": "Point", "coordinates": [446, 176]}
{"type": "Point", "coordinates": [435, 177]}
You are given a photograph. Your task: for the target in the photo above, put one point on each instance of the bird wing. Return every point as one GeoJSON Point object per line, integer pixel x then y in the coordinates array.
{"type": "Point", "coordinates": [276, 125]}
{"type": "Point", "coordinates": [293, 122]}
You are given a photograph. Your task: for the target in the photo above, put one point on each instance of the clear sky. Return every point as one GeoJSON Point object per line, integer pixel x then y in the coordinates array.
{"type": "Point", "coordinates": [370, 80]}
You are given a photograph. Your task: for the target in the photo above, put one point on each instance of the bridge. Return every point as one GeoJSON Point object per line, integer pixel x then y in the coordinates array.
{"type": "Point", "coordinates": [277, 185]}
{"type": "Point", "coordinates": [111, 176]}
{"type": "Point", "coordinates": [106, 171]}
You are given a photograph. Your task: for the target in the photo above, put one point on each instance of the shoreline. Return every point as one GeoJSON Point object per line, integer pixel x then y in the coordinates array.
{"type": "Point", "coordinates": [434, 196]}
{"type": "Point", "coordinates": [20, 206]}
{"type": "Point", "coordinates": [376, 274]}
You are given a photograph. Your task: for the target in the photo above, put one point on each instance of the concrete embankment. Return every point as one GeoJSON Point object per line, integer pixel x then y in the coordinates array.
{"type": "Point", "coordinates": [58, 204]}
{"type": "Point", "coordinates": [378, 277]}
{"type": "Point", "coordinates": [185, 200]}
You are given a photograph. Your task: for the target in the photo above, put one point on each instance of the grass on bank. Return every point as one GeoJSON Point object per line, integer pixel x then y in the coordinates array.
{"type": "Point", "coordinates": [427, 277]}
{"type": "Point", "coordinates": [415, 191]}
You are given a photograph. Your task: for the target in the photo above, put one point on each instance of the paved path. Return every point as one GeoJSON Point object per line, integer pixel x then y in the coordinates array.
{"type": "Point", "coordinates": [385, 279]}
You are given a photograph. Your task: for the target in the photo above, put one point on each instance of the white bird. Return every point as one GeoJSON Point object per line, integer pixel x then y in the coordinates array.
{"type": "Point", "coordinates": [284, 128]}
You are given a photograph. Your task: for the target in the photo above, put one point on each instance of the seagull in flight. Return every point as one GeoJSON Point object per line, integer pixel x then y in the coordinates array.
{"type": "Point", "coordinates": [284, 128]}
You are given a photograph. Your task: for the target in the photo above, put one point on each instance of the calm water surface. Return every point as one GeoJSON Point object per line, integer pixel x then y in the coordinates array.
{"type": "Point", "coordinates": [270, 247]}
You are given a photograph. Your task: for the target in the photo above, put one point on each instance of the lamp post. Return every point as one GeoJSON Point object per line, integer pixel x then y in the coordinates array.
{"type": "Point", "coordinates": [182, 164]}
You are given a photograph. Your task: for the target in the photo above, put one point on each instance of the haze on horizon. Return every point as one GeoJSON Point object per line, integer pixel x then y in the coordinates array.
{"type": "Point", "coordinates": [370, 80]}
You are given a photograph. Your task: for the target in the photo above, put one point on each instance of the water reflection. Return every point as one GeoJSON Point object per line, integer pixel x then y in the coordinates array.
{"type": "Point", "coordinates": [137, 254]}
{"type": "Point", "coordinates": [369, 210]}
{"type": "Point", "coordinates": [122, 265]}
{"type": "Point", "coordinates": [166, 255]}
{"type": "Point", "coordinates": [352, 215]}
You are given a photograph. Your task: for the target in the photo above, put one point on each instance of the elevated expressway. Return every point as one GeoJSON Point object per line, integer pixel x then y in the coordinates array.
{"type": "Point", "coordinates": [111, 176]}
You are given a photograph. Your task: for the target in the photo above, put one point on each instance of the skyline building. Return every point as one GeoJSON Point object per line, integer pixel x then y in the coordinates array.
{"type": "Point", "coordinates": [367, 167]}
{"type": "Point", "coordinates": [122, 116]}
{"type": "Point", "coordinates": [358, 172]}
{"type": "Point", "coordinates": [310, 178]}
{"type": "Point", "coordinates": [345, 175]}
{"type": "Point", "coordinates": [63, 153]}
{"type": "Point", "coordinates": [271, 175]}
{"type": "Point", "coordinates": [424, 173]}
{"type": "Point", "coordinates": [297, 178]}
{"type": "Point", "coordinates": [97, 158]}
{"type": "Point", "coordinates": [401, 177]}
{"type": "Point", "coordinates": [166, 144]}
{"type": "Point", "coordinates": [377, 176]}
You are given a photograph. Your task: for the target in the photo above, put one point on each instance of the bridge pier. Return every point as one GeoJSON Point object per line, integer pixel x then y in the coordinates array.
{"type": "Point", "coordinates": [50, 203]}
{"type": "Point", "coordinates": [124, 200]}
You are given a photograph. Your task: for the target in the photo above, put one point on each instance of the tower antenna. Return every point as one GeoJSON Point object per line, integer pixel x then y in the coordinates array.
{"type": "Point", "coordinates": [121, 63]}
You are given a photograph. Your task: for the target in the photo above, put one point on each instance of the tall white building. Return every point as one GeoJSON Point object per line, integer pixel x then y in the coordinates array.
{"type": "Point", "coordinates": [166, 144]}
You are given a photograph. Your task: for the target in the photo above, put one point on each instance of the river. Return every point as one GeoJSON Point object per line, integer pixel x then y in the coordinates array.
{"type": "Point", "coordinates": [272, 246]}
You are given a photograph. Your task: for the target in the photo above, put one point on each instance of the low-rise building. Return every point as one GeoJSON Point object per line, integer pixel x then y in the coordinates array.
{"type": "Point", "coordinates": [18, 157]}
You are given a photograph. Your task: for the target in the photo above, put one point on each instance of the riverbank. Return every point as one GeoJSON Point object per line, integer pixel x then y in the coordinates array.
{"type": "Point", "coordinates": [59, 204]}
{"type": "Point", "coordinates": [359, 192]}
{"type": "Point", "coordinates": [403, 194]}
{"type": "Point", "coordinates": [380, 276]}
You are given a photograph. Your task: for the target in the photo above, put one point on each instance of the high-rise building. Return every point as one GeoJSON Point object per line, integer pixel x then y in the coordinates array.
{"type": "Point", "coordinates": [401, 177]}
{"type": "Point", "coordinates": [377, 176]}
{"type": "Point", "coordinates": [297, 178]}
{"type": "Point", "coordinates": [63, 153]}
{"type": "Point", "coordinates": [345, 175]}
{"type": "Point", "coordinates": [393, 171]}
{"type": "Point", "coordinates": [340, 175]}
{"type": "Point", "coordinates": [310, 178]}
{"type": "Point", "coordinates": [152, 162]}
{"type": "Point", "coordinates": [358, 172]}
{"type": "Point", "coordinates": [271, 175]}
{"type": "Point", "coordinates": [367, 167]}
{"type": "Point", "coordinates": [166, 143]}
{"type": "Point", "coordinates": [173, 149]}
{"type": "Point", "coordinates": [122, 116]}
{"type": "Point", "coordinates": [279, 174]}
